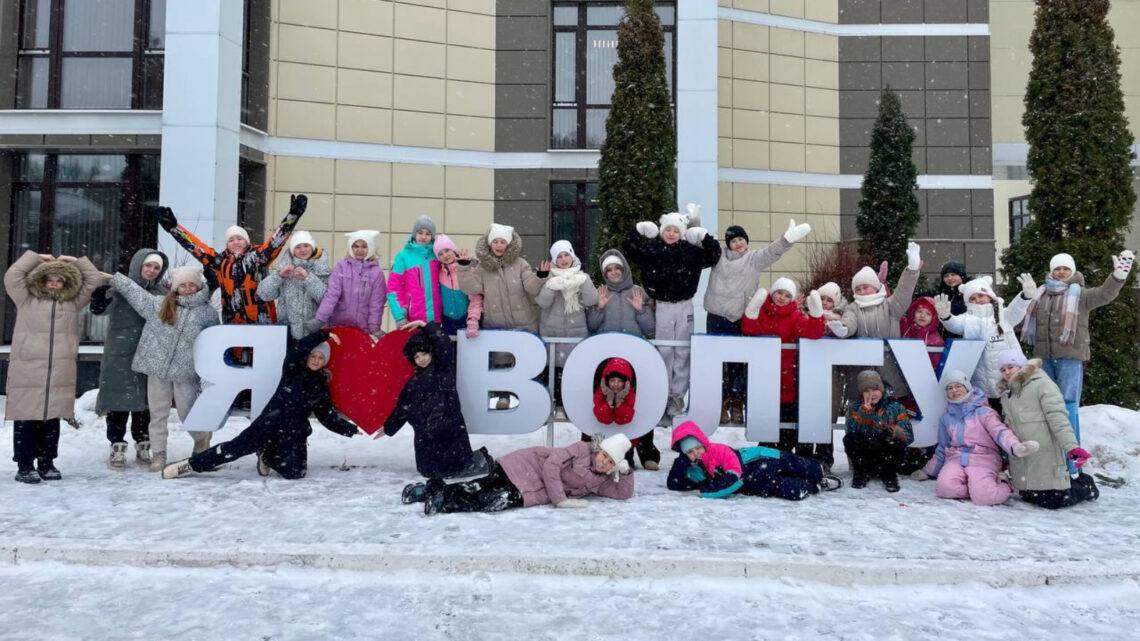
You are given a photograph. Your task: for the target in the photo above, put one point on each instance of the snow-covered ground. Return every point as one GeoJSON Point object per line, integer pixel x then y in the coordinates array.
{"type": "Point", "coordinates": [653, 558]}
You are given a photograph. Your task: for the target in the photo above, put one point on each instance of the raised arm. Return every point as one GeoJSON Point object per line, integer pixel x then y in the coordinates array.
{"type": "Point", "coordinates": [1100, 296]}
{"type": "Point", "coordinates": [761, 259]}
{"type": "Point", "coordinates": [16, 278]}
{"type": "Point", "coordinates": [710, 251]}
{"type": "Point", "coordinates": [532, 282]}
{"type": "Point", "coordinates": [900, 299]}
{"type": "Point", "coordinates": [268, 250]}
{"type": "Point", "coordinates": [143, 302]}
{"type": "Point", "coordinates": [201, 252]}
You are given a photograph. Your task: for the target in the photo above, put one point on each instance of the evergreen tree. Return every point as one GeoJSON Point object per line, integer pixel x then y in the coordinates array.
{"type": "Point", "coordinates": [638, 179]}
{"type": "Point", "coordinates": [888, 211]}
{"type": "Point", "coordinates": [1079, 162]}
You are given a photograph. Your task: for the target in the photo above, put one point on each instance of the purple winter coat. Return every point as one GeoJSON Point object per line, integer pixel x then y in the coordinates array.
{"type": "Point", "coordinates": [551, 474]}
{"type": "Point", "coordinates": [972, 432]}
{"type": "Point", "coordinates": [355, 295]}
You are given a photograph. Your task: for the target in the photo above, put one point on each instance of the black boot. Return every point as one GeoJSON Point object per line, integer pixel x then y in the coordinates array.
{"type": "Point", "coordinates": [480, 464]}
{"type": "Point", "coordinates": [890, 481]}
{"type": "Point", "coordinates": [648, 453]}
{"type": "Point", "coordinates": [1090, 486]}
{"type": "Point", "coordinates": [413, 493]}
{"type": "Point", "coordinates": [28, 475]}
{"type": "Point", "coordinates": [47, 470]}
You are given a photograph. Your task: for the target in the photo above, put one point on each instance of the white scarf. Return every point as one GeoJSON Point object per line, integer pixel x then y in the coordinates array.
{"type": "Point", "coordinates": [870, 300]}
{"type": "Point", "coordinates": [568, 281]}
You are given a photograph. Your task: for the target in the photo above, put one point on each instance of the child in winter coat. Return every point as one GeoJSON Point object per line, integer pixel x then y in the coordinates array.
{"type": "Point", "coordinates": [562, 304]}
{"type": "Point", "coordinates": [298, 283]}
{"type": "Point", "coordinates": [122, 392]}
{"type": "Point", "coordinates": [671, 259]}
{"type": "Point", "coordinates": [536, 476]}
{"type": "Point", "coordinates": [429, 403]}
{"type": "Point", "coordinates": [726, 297]}
{"type": "Point", "coordinates": [616, 394]}
{"type": "Point", "coordinates": [279, 435]}
{"type": "Point", "coordinates": [413, 283]}
{"type": "Point", "coordinates": [1057, 322]}
{"type": "Point", "coordinates": [1034, 409]}
{"type": "Point", "coordinates": [954, 275]}
{"type": "Point", "coordinates": [878, 432]}
{"type": "Point", "coordinates": [921, 323]}
{"type": "Point", "coordinates": [166, 349]}
{"type": "Point", "coordinates": [48, 293]}
{"type": "Point", "coordinates": [459, 310]}
{"type": "Point", "coordinates": [720, 471]}
{"type": "Point", "coordinates": [986, 320]}
{"type": "Point", "coordinates": [971, 438]}
{"type": "Point", "coordinates": [356, 291]}
{"type": "Point", "coordinates": [239, 267]}
{"type": "Point", "coordinates": [778, 315]}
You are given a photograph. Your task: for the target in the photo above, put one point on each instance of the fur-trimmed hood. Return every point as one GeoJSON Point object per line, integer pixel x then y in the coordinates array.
{"type": "Point", "coordinates": [72, 281]}
{"type": "Point", "coordinates": [493, 263]}
{"type": "Point", "coordinates": [1022, 377]}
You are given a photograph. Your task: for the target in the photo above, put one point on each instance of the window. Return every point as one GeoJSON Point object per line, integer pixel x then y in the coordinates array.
{"type": "Point", "coordinates": [91, 54]}
{"type": "Point", "coordinates": [584, 54]}
{"type": "Point", "coordinates": [1018, 216]}
{"type": "Point", "coordinates": [84, 205]}
{"type": "Point", "coordinates": [575, 214]}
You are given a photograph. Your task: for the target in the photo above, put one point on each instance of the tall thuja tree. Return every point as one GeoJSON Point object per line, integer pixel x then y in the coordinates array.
{"type": "Point", "coordinates": [888, 211]}
{"type": "Point", "coordinates": [1079, 162]}
{"type": "Point", "coordinates": [638, 179]}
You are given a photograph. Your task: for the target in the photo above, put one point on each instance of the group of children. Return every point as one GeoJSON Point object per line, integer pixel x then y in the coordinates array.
{"type": "Point", "coordinates": [1024, 409]}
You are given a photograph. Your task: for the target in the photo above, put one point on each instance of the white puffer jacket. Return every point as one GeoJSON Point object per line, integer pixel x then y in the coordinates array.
{"type": "Point", "coordinates": [978, 323]}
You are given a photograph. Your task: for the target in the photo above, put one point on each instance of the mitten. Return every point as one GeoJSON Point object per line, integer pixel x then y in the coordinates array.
{"type": "Point", "coordinates": [919, 475]}
{"type": "Point", "coordinates": [1028, 287]}
{"type": "Point", "coordinates": [942, 306]}
{"type": "Point", "coordinates": [754, 305]}
{"type": "Point", "coordinates": [1078, 456]}
{"type": "Point", "coordinates": [573, 503]}
{"type": "Point", "coordinates": [696, 235]}
{"type": "Point", "coordinates": [796, 233]}
{"type": "Point", "coordinates": [838, 329]}
{"type": "Point", "coordinates": [165, 217]}
{"type": "Point", "coordinates": [472, 329]}
{"type": "Point", "coordinates": [696, 474]}
{"type": "Point", "coordinates": [647, 229]}
{"type": "Point", "coordinates": [623, 467]}
{"type": "Point", "coordinates": [884, 269]}
{"type": "Point", "coordinates": [814, 304]}
{"type": "Point", "coordinates": [913, 256]}
{"type": "Point", "coordinates": [1026, 448]}
{"type": "Point", "coordinates": [693, 215]}
{"type": "Point", "coordinates": [298, 203]}
{"type": "Point", "coordinates": [1122, 264]}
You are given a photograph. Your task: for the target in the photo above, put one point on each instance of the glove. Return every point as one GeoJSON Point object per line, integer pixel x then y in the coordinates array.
{"type": "Point", "coordinates": [838, 329]}
{"type": "Point", "coordinates": [1026, 448]}
{"type": "Point", "coordinates": [165, 217]}
{"type": "Point", "coordinates": [814, 304]}
{"type": "Point", "coordinates": [919, 475]}
{"type": "Point", "coordinates": [1078, 456]}
{"type": "Point", "coordinates": [1122, 264]}
{"type": "Point", "coordinates": [796, 233]}
{"type": "Point", "coordinates": [572, 503]}
{"type": "Point", "coordinates": [693, 215]}
{"type": "Point", "coordinates": [647, 229]}
{"type": "Point", "coordinates": [696, 474]}
{"type": "Point", "coordinates": [942, 306]}
{"type": "Point", "coordinates": [913, 256]}
{"type": "Point", "coordinates": [696, 235]}
{"type": "Point", "coordinates": [754, 305]}
{"type": "Point", "coordinates": [623, 467]}
{"type": "Point", "coordinates": [1028, 287]}
{"type": "Point", "coordinates": [298, 203]}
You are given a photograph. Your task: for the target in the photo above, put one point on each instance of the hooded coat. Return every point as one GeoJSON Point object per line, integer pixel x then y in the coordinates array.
{"type": "Point", "coordinates": [931, 334]}
{"type": "Point", "coordinates": [790, 324]}
{"type": "Point", "coordinates": [429, 403]}
{"type": "Point", "coordinates": [1050, 318]}
{"type": "Point", "coordinates": [623, 413]}
{"type": "Point", "coordinates": [555, 321]}
{"type": "Point", "coordinates": [167, 351]}
{"type": "Point", "coordinates": [973, 433]}
{"type": "Point", "coordinates": [355, 295]}
{"type": "Point", "coordinates": [735, 275]}
{"type": "Point", "coordinates": [619, 315]}
{"type": "Point", "coordinates": [507, 283]}
{"type": "Point", "coordinates": [413, 284]}
{"type": "Point", "coordinates": [120, 388]}
{"type": "Point", "coordinates": [1035, 410]}
{"type": "Point", "coordinates": [979, 323]}
{"type": "Point", "coordinates": [45, 341]}
{"type": "Point", "coordinates": [553, 474]}
{"type": "Point", "coordinates": [298, 300]}
{"type": "Point", "coordinates": [882, 321]}
{"type": "Point", "coordinates": [671, 273]}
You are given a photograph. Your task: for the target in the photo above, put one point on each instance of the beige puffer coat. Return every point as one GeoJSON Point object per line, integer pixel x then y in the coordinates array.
{"type": "Point", "coordinates": [41, 373]}
{"type": "Point", "coordinates": [508, 284]}
{"type": "Point", "coordinates": [1034, 409]}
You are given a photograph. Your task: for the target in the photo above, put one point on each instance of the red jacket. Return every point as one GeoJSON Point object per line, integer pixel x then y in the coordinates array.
{"type": "Point", "coordinates": [623, 413]}
{"type": "Point", "coordinates": [790, 324]}
{"type": "Point", "coordinates": [930, 335]}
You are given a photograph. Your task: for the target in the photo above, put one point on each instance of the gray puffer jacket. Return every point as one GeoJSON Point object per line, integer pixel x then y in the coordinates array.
{"type": "Point", "coordinates": [167, 351]}
{"type": "Point", "coordinates": [298, 300]}
{"type": "Point", "coordinates": [734, 278]}
{"type": "Point", "coordinates": [882, 321]}
{"type": "Point", "coordinates": [619, 315]}
{"type": "Point", "coordinates": [555, 321]}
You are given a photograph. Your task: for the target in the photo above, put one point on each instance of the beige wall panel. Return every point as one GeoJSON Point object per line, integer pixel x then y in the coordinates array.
{"type": "Point", "coordinates": [311, 13]}
{"type": "Point", "coordinates": [417, 180]}
{"type": "Point", "coordinates": [467, 132]}
{"type": "Point", "coordinates": [366, 16]}
{"type": "Point", "coordinates": [786, 42]}
{"type": "Point", "coordinates": [747, 94]}
{"type": "Point", "coordinates": [364, 88]}
{"type": "Point", "coordinates": [821, 102]}
{"type": "Point", "coordinates": [793, 8]}
{"type": "Point", "coordinates": [468, 216]}
{"type": "Point", "coordinates": [821, 160]}
{"type": "Point", "coordinates": [787, 128]}
{"type": "Point", "coordinates": [417, 58]}
{"type": "Point", "coordinates": [822, 200]}
{"type": "Point", "coordinates": [787, 99]}
{"type": "Point", "coordinates": [749, 37]}
{"type": "Point", "coordinates": [749, 65]}
{"type": "Point", "coordinates": [306, 82]}
{"type": "Point", "coordinates": [364, 124]}
{"type": "Point", "coordinates": [787, 157]}
{"type": "Point", "coordinates": [420, 23]}
{"type": "Point", "coordinates": [306, 45]}
{"type": "Point", "coordinates": [750, 154]}
{"type": "Point", "coordinates": [414, 93]}
{"type": "Point", "coordinates": [305, 120]}
{"type": "Point", "coordinates": [724, 152]}
{"type": "Point", "coordinates": [318, 216]}
{"type": "Point", "coordinates": [362, 212]}
{"type": "Point", "coordinates": [363, 178]}
{"type": "Point", "coordinates": [787, 70]}
{"type": "Point", "coordinates": [723, 122]}
{"type": "Point", "coordinates": [751, 5]}
{"type": "Point", "coordinates": [406, 210]}
{"type": "Point", "coordinates": [470, 182]}
{"type": "Point", "coordinates": [361, 51]}
{"type": "Point", "coordinates": [750, 197]}
{"type": "Point", "coordinates": [418, 129]}
{"type": "Point", "coordinates": [486, 7]}
{"type": "Point", "coordinates": [751, 125]}
{"type": "Point", "coordinates": [472, 30]}
{"type": "Point", "coordinates": [821, 73]}
{"type": "Point", "coordinates": [821, 46]}
{"type": "Point", "coordinates": [822, 10]}
{"type": "Point", "coordinates": [465, 63]}
{"type": "Point", "coordinates": [470, 98]}
{"type": "Point", "coordinates": [292, 174]}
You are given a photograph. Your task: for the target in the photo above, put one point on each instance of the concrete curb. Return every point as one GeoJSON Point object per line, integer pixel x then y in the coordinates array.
{"type": "Point", "coordinates": [838, 572]}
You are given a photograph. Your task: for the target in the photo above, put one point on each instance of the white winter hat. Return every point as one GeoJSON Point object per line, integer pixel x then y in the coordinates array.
{"type": "Point", "coordinates": [866, 276]}
{"type": "Point", "coordinates": [786, 284]}
{"type": "Point", "coordinates": [1062, 260]}
{"type": "Point", "coordinates": [236, 230]}
{"type": "Point", "coordinates": [154, 258]}
{"type": "Point", "coordinates": [616, 446]}
{"type": "Point", "coordinates": [957, 377]}
{"type": "Point", "coordinates": [560, 246]}
{"type": "Point", "coordinates": [1011, 357]}
{"type": "Point", "coordinates": [369, 236]}
{"type": "Point", "coordinates": [831, 290]}
{"type": "Point", "coordinates": [186, 274]}
{"type": "Point", "coordinates": [979, 285]}
{"type": "Point", "coordinates": [502, 232]}
{"type": "Point", "coordinates": [302, 238]}
{"type": "Point", "coordinates": [612, 260]}
{"type": "Point", "coordinates": [674, 219]}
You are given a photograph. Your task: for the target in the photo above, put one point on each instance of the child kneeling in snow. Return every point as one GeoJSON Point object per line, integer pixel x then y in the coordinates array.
{"type": "Point", "coordinates": [536, 476]}
{"type": "Point", "coordinates": [971, 436]}
{"type": "Point", "coordinates": [280, 433]}
{"type": "Point", "coordinates": [615, 396]}
{"type": "Point", "coordinates": [720, 471]}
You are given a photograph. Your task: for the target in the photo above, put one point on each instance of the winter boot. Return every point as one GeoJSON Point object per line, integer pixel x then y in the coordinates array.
{"type": "Point", "coordinates": [1090, 485]}
{"type": "Point", "coordinates": [859, 479]}
{"type": "Point", "coordinates": [263, 468]}
{"type": "Point", "coordinates": [142, 453]}
{"type": "Point", "coordinates": [157, 461]}
{"type": "Point", "coordinates": [29, 476]}
{"type": "Point", "coordinates": [830, 483]}
{"type": "Point", "coordinates": [177, 469]}
{"type": "Point", "coordinates": [736, 412]}
{"type": "Point", "coordinates": [479, 465]}
{"type": "Point", "coordinates": [118, 459]}
{"type": "Point", "coordinates": [503, 402]}
{"type": "Point", "coordinates": [890, 482]}
{"type": "Point", "coordinates": [413, 493]}
{"type": "Point", "coordinates": [47, 470]}
{"type": "Point", "coordinates": [676, 405]}
{"type": "Point", "coordinates": [648, 453]}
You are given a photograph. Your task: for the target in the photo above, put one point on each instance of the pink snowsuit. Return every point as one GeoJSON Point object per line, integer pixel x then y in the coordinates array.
{"type": "Point", "coordinates": [967, 460]}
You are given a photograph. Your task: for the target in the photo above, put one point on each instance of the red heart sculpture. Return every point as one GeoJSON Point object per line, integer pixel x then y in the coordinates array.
{"type": "Point", "coordinates": [367, 377]}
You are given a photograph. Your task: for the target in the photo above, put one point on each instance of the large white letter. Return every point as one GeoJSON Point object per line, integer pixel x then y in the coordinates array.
{"type": "Point", "coordinates": [221, 383]}
{"type": "Point", "coordinates": [475, 380]}
{"type": "Point", "coordinates": [578, 383]}
{"type": "Point", "coordinates": [817, 358]}
{"type": "Point", "coordinates": [927, 390]}
{"type": "Point", "coordinates": [761, 355]}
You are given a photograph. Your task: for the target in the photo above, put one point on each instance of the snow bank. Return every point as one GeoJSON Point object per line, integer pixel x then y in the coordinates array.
{"type": "Point", "coordinates": [1112, 435]}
